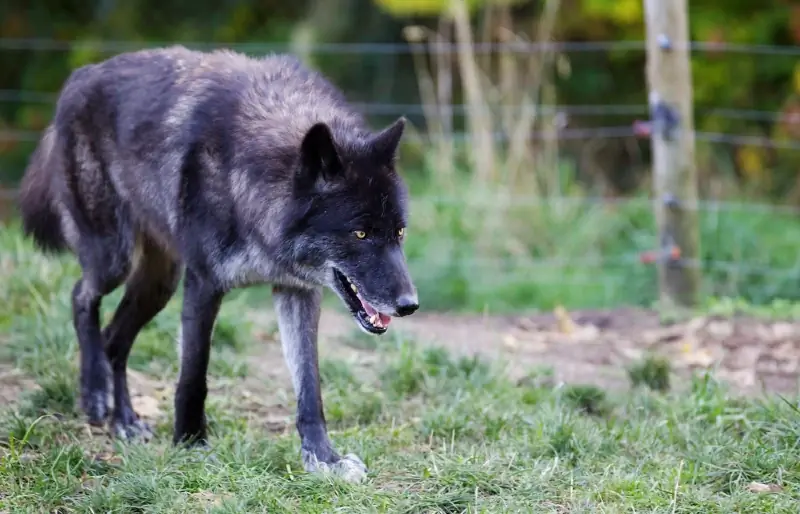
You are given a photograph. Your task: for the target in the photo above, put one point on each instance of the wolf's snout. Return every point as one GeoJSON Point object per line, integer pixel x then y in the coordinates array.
{"type": "Point", "coordinates": [406, 304]}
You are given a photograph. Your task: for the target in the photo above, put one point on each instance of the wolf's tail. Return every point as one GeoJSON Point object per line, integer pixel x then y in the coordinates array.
{"type": "Point", "coordinates": [40, 220]}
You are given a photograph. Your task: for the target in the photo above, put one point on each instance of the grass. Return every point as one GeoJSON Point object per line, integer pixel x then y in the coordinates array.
{"type": "Point", "coordinates": [439, 433]}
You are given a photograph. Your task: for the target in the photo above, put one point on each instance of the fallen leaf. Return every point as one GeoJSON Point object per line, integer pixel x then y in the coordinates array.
{"type": "Point", "coordinates": [563, 321]}
{"type": "Point", "coordinates": [744, 357]}
{"type": "Point", "coordinates": [719, 329]}
{"type": "Point", "coordinates": [276, 423]}
{"type": "Point", "coordinates": [758, 487]}
{"type": "Point", "coordinates": [146, 406]}
{"type": "Point", "coordinates": [510, 342]}
{"type": "Point", "coordinates": [587, 333]}
{"type": "Point", "coordinates": [107, 457]}
{"type": "Point", "coordinates": [763, 333]}
{"type": "Point", "coordinates": [692, 356]}
{"type": "Point", "coordinates": [661, 335]}
{"type": "Point", "coordinates": [162, 394]}
{"type": "Point", "coordinates": [526, 324]}
{"type": "Point", "coordinates": [631, 353]}
{"type": "Point", "coordinates": [90, 483]}
{"type": "Point", "coordinates": [783, 330]}
{"type": "Point", "coordinates": [695, 324]}
{"type": "Point", "coordinates": [208, 498]}
{"type": "Point", "coordinates": [744, 378]}
{"type": "Point", "coordinates": [784, 351]}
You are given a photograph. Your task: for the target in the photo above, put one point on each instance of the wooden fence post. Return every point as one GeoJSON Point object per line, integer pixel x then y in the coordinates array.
{"type": "Point", "coordinates": [669, 81]}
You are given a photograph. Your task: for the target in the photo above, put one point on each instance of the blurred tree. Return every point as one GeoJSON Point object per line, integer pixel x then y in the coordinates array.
{"type": "Point", "coordinates": [727, 80]}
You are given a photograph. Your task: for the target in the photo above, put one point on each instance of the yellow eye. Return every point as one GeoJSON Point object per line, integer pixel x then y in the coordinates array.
{"type": "Point", "coordinates": [401, 232]}
{"type": "Point", "coordinates": [360, 234]}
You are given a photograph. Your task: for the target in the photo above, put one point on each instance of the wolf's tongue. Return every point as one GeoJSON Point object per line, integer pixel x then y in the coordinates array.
{"type": "Point", "coordinates": [370, 310]}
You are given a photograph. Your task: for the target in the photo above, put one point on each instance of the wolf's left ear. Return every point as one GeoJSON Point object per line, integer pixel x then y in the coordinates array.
{"type": "Point", "coordinates": [319, 156]}
{"type": "Point", "coordinates": [384, 144]}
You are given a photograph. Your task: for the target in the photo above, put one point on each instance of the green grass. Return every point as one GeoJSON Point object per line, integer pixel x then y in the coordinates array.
{"type": "Point", "coordinates": [439, 433]}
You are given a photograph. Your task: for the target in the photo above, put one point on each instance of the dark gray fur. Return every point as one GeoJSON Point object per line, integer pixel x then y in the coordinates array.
{"type": "Point", "coordinates": [236, 171]}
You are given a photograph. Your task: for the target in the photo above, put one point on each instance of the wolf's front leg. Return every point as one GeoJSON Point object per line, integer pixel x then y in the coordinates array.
{"type": "Point", "coordinates": [201, 303]}
{"type": "Point", "coordinates": [298, 320]}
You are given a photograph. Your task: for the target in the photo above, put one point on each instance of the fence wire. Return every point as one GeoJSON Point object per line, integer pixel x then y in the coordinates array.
{"type": "Point", "coordinates": [521, 47]}
{"type": "Point", "coordinates": [596, 248]}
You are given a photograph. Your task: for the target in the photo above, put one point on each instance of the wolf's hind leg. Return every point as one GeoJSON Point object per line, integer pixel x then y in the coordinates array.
{"type": "Point", "coordinates": [298, 321]}
{"type": "Point", "coordinates": [98, 279]}
{"type": "Point", "coordinates": [147, 291]}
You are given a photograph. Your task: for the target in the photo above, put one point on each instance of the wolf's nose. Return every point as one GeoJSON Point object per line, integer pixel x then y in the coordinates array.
{"type": "Point", "coordinates": [406, 304]}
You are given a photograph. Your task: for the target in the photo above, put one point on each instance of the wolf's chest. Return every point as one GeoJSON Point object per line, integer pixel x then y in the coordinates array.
{"type": "Point", "coordinates": [250, 266]}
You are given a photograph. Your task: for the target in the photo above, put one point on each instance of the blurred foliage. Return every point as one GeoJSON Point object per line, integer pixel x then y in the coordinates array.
{"type": "Point", "coordinates": [435, 7]}
{"type": "Point", "coordinates": [721, 80]}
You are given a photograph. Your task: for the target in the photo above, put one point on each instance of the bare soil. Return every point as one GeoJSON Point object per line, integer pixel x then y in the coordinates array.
{"type": "Point", "coordinates": [596, 347]}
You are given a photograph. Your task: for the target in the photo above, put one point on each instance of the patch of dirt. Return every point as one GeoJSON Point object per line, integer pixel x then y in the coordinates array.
{"type": "Point", "coordinates": [596, 347]}
{"type": "Point", "coordinates": [586, 347]}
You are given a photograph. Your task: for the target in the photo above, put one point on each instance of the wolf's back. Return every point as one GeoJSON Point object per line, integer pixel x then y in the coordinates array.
{"type": "Point", "coordinates": [40, 219]}
{"type": "Point", "coordinates": [161, 108]}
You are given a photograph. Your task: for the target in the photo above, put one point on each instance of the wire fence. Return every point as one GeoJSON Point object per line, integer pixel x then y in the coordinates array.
{"type": "Point", "coordinates": [522, 47]}
{"type": "Point", "coordinates": [751, 249]}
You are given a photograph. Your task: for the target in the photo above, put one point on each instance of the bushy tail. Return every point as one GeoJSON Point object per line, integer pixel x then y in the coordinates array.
{"type": "Point", "coordinates": [40, 219]}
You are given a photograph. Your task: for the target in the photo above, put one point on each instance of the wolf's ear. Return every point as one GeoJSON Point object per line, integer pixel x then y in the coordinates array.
{"type": "Point", "coordinates": [318, 154]}
{"type": "Point", "coordinates": [384, 144]}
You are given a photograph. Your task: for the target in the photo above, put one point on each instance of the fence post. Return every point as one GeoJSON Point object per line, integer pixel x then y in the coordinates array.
{"type": "Point", "coordinates": [669, 81]}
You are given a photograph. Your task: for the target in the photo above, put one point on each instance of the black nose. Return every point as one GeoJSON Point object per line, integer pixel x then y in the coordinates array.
{"type": "Point", "coordinates": [407, 304]}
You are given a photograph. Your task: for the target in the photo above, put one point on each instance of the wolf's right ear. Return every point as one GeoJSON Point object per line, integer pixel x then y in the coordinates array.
{"type": "Point", "coordinates": [384, 144]}
{"type": "Point", "coordinates": [318, 155]}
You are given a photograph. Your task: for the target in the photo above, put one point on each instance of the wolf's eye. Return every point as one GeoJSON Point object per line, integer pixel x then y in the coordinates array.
{"type": "Point", "coordinates": [360, 234]}
{"type": "Point", "coordinates": [401, 232]}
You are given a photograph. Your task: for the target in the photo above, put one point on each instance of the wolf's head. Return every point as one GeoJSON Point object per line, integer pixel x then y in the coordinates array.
{"type": "Point", "coordinates": [354, 220]}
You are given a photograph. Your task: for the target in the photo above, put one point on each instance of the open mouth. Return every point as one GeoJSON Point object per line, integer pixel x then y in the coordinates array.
{"type": "Point", "coordinates": [368, 316]}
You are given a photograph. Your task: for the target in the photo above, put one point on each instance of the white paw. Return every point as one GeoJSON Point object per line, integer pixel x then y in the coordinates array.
{"type": "Point", "coordinates": [202, 452]}
{"type": "Point", "coordinates": [136, 431]}
{"type": "Point", "coordinates": [350, 468]}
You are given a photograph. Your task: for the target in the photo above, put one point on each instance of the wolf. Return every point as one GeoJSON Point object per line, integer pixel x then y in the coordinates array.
{"type": "Point", "coordinates": [229, 171]}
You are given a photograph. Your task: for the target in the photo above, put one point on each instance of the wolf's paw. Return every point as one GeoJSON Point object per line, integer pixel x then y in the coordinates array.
{"type": "Point", "coordinates": [350, 468]}
{"type": "Point", "coordinates": [95, 406]}
{"type": "Point", "coordinates": [95, 386]}
{"type": "Point", "coordinates": [129, 427]}
{"type": "Point", "coordinates": [203, 453]}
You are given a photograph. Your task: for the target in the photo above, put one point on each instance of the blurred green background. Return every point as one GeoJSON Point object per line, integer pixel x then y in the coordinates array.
{"type": "Point", "coordinates": [504, 226]}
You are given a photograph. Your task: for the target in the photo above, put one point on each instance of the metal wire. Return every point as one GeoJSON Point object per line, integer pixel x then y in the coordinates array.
{"type": "Point", "coordinates": [37, 44]}
{"type": "Point", "coordinates": [396, 109]}
{"type": "Point", "coordinates": [579, 134]}
{"type": "Point", "coordinates": [623, 261]}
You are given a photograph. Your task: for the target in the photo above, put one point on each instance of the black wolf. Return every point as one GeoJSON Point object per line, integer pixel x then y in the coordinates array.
{"type": "Point", "coordinates": [234, 171]}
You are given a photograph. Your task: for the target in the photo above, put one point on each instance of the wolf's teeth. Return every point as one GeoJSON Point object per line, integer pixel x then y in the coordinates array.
{"type": "Point", "coordinates": [375, 320]}
{"type": "Point", "coordinates": [354, 288]}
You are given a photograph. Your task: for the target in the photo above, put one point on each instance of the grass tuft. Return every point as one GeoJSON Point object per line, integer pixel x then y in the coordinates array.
{"type": "Point", "coordinates": [652, 371]}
